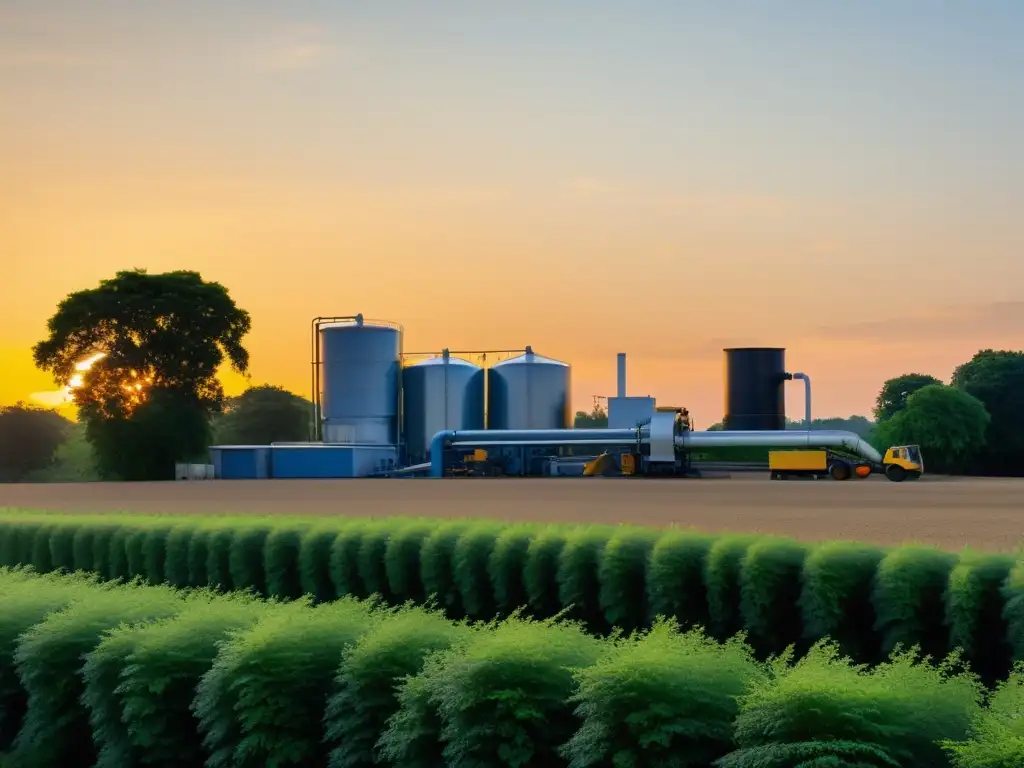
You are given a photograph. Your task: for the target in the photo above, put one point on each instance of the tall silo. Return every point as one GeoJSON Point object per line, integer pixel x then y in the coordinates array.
{"type": "Point", "coordinates": [439, 393]}
{"type": "Point", "coordinates": [529, 392]}
{"type": "Point", "coordinates": [755, 397]}
{"type": "Point", "coordinates": [359, 382]}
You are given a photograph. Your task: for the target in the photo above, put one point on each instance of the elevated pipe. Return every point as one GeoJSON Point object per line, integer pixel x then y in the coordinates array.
{"type": "Point", "coordinates": [807, 395]}
{"type": "Point", "coordinates": [824, 438]}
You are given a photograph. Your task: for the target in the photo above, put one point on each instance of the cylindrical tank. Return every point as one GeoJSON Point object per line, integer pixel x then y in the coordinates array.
{"type": "Point", "coordinates": [755, 396]}
{"type": "Point", "coordinates": [440, 393]}
{"type": "Point", "coordinates": [529, 392]}
{"type": "Point", "coordinates": [359, 383]}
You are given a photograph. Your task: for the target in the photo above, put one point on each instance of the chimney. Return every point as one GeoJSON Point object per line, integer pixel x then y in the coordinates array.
{"type": "Point", "coordinates": [622, 375]}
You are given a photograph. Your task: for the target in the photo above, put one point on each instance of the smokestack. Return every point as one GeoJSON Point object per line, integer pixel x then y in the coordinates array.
{"type": "Point", "coordinates": [622, 375]}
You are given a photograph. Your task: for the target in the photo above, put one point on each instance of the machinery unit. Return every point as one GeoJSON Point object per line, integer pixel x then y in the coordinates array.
{"type": "Point", "coordinates": [439, 393]}
{"type": "Point", "coordinates": [755, 389]}
{"type": "Point", "coordinates": [357, 375]}
{"type": "Point", "coordinates": [529, 392]}
{"type": "Point", "coordinates": [900, 462]}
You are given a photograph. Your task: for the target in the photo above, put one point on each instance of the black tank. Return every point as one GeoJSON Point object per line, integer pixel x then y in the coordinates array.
{"type": "Point", "coordinates": [755, 395]}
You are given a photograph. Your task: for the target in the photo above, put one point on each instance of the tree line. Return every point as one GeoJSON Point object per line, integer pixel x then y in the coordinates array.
{"type": "Point", "coordinates": [153, 398]}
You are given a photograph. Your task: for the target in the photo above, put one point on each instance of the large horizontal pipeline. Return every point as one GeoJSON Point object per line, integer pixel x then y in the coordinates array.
{"type": "Point", "coordinates": [824, 438]}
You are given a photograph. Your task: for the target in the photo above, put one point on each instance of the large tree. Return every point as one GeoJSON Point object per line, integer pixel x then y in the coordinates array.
{"type": "Point", "coordinates": [946, 422]}
{"type": "Point", "coordinates": [893, 397]}
{"type": "Point", "coordinates": [29, 439]}
{"type": "Point", "coordinates": [996, 378]}
{"type": "Point", "coordinates": [162, 338]}
{"type": "Point", "coordinates": [263, 415]}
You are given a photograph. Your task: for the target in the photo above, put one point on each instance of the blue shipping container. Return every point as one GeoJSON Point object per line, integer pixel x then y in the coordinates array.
{"type": "Point", "coordinates": [241, 462]}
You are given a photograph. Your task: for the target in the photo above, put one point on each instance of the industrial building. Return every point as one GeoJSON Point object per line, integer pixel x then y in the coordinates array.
{"type": "Point", "coordinates": [383, 412]}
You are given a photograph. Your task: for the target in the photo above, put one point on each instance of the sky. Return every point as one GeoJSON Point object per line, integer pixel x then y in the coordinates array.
{"type": "Point", "coordinates": [664, 179]}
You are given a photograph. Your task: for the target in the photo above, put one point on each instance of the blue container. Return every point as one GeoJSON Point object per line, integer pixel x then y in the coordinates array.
{"type": "Point", "coordinates": [294, 462]}
{"type": "Point", "coordinates": [241, 462]}
{"type": "Point", "coordinates": [440, 393]}
{"type": "Point", "coordinates": [529, 392]}
{"type": "Point", "coordinates": [360, 382]}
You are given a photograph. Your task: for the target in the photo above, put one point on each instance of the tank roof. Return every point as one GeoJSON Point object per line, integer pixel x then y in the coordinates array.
{"type": "Point", "coordinates": [531, 358]}
{"type": "Point", "coordinates": [442, 361]}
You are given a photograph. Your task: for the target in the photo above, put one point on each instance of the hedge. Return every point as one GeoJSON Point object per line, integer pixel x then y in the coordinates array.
{"type": "Point", "coordinates": [119, 675]}
{"type": "Point", "coordinates": [870, 600]}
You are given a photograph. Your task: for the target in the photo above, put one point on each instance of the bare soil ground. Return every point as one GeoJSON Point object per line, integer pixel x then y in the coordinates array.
{"type": "Point", "coordinates": [950, 513]}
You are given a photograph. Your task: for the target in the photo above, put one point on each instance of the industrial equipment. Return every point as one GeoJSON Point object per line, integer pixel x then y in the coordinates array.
{"type": "Point", "coordinates": [439, 393]}
{"type": "Point", "coordinates": [529, 392]}
{"type": "Point", "coordinates": [900, 462]}
{"type": "Point", "coordinates": [754, 389]}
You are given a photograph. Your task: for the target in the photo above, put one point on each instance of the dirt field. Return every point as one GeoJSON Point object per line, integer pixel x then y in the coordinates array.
{"type": "Point", "coordinates": [951, 513]}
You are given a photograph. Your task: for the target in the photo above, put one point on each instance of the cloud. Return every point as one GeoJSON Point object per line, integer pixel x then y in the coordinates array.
{"type": "Point", "coordinates": [291, 49]}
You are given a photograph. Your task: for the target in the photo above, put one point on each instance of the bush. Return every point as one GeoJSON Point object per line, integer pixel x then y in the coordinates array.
{"type": "Point", "coordinates": [412, 736]}
{"type": "Point", "coordinates": [281, 562]}
{"type": "Point", "coordinates": [365, 698]}
{"type": "Point", "coordinates": [504, 696]}
{"type": "Point", "coordinates": [909, 600]}
{"type": "Point", "coordinates": [722, 579]}
{"type": "Point", "coordinates": [176, 559]}
{"type": "Point", "coordinates": [49, 662]}
{"type": "Point", "coordinates": [245, 557]}
{"type": "Point", "coordinates": [838, 580]}
{"type": "Point", "coordinates": [579, 582]}
{"type": "Point", "coordinates": [402, 561]}
{"type": "Point", "coordinates": [622, 574]}
{"type": "Point", "coordinates": [62, 545]}
{"type": "Point", "coordinates": [1013, 611]}
{"type": "Point", "coordinates": [163, 670]}
{"type": "Point", "coordinates": [824, 706]}
{"type": "Point", "coordinates": [437, 559]}
{"type": "Point", "coordinates": [315, 563]}
{"type": "Point", "coordinates": [42, 561]}
{"type": "Point", "coordinates": [24, 601]}
{"type": "Point", "coordinates": [997, 735]}
{"type": "Point", "coordinates": [344, 562]}
{"type": "Point", "coordinates": [661, 699]}
{"type": "Point", "coordinates": [470, 560]}
{"type": "Point", "coordinates": [506, 568]}
{"type": "Point", "coordinates": [218, 558]}
{"type": "Point", "coordinates": [675, 578]}
{"type": "Point", "coordinates": [154, 554]}
{"type": "Point", "coordinates": [770, 586]}
{"type": "Point", "coordinates": [270, 685]}
{"type": "Point", "coordinates": [540, 571]}
{"type": "Point", "coordinates": [974, 613]}
{"type": "Point", "coordinates": [371, 559]}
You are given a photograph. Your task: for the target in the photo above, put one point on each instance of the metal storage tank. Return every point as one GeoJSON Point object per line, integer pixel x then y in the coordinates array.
{"type": "Point", "coordinates": [360, 382]}
{"type": "Point", "coordinates": [755, 396]}
{"type": "Point", "coordinates": [529, 392]}
{"type": "Point", "coordinates": [440, 393]}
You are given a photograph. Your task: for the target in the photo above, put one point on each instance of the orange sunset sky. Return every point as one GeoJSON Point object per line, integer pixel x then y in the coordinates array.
{"type": "Point", "coordinates": [662, 179]}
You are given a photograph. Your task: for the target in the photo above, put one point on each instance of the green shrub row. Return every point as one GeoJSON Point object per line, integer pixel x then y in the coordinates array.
{"type": "Point", "coordinates": [100, 673]}
{"type": "Point", "coordinates": [779, 592]}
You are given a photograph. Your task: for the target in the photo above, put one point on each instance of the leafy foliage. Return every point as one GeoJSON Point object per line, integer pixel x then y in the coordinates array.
{"type": "Point", "coordinates": [892, 399]}
{"type": "Point", "coordinates": [996, 378]}
{"type": "Point", "coordinates": [997, 734]}
{"type": "Point", "coordinates": [163, 338]}
{"type": "Point", "coordinates": [263, 415]}
{"type": "Point", "coordinates": [29, 439]}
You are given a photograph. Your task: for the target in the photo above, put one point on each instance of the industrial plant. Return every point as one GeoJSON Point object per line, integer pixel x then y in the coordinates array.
{"type": "Point", "coordinates": [380, 411]}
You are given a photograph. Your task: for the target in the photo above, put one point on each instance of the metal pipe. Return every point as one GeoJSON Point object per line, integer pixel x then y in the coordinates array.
{"type": "Point", "coordinates": [621, 389]}
{"type": "Point", "coordinates": [787, 438]}
{"type": "Point", "coordinates": [807, 396]}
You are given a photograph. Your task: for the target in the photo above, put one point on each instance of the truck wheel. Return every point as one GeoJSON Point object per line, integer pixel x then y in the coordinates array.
{"type": "Point", "coordinates": [839, 471]}
{"type": "Point", "coordinates": [896, 473]}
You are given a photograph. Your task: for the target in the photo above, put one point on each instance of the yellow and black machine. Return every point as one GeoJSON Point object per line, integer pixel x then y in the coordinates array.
{"type": "Point", "coordinates": [899, 463]}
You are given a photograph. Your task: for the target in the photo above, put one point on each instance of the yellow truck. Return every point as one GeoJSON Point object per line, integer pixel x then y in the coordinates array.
{"type": "Point", "coordinates": [899, 463]}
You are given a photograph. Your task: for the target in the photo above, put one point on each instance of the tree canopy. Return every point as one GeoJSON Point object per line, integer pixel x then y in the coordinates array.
{"type": "Point", "coordinates": [262, 415]}
{"type": "Point", "coordinates": [948, 424]}
{"type": "Point", "coordinates": [894, 393]}
{"type": "Point", "coordinates": [996, 378]}
{"type": "Point", "coordinates": [162, 338]}
{"type": "Point", "coordinates": [29, 439]}
{"type": "Point", "coordinates": [596, 419]}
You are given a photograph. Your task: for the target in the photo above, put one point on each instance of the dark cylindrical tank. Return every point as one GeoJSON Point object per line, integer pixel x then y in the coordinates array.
{"type": "Point", "coordinates": [359, 383]}
{"type": "Point", "coordinates": [529, 392]}
{"type": "Point", "coordinates": [755, 395]}
{"type": "Point", "coordinates": [439, 393]}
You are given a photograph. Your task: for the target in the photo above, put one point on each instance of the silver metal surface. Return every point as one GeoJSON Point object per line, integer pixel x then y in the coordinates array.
{"type": "Point", "coordinates": [662, 437]}
{"type": "Point", "coordinates": [440, 393]}
{"type": "Point", "coordinates": [620, 390]}
{"type": "Point", "coordinates": [529, 392]}
{"type": "Point", "coordinates": [788, 438]}
{"type": "Point", "coordinates": [360, 380]}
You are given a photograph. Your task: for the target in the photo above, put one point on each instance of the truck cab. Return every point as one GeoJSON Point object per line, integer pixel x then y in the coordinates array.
{"type": "Point", "coordinates": [903, 462]}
